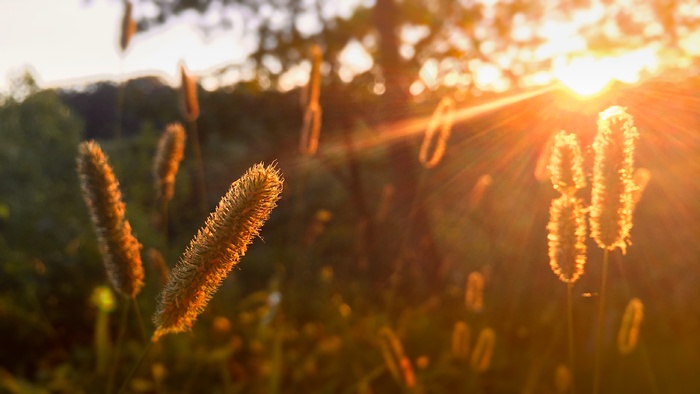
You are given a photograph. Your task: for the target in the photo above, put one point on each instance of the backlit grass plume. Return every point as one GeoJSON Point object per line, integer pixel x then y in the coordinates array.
{"type": "Point", "coordinates": [567, 238]}
{"type": "Point", "coordinates": [311, 92]}
{"type": "Point", "coordinates": [460, 341]}
{"type": "Point", "coordinates": [188, 91]}
{"type": "Point", "coordinates": [434, 143]}
{"type": "Point", "coordinates": [128, 27]}
{"type": "Point", "coordinates": [483, 350]}
{"type": "Point", "coordinates": [566, 164]}
{"type": "Point", "coordinates": [311, 127]}
{"type": "Point", "coordinates": [629, 329]}
{"type": "Point", "coordinates": [169, 154]}
{"type": "Point", "coordinates": [613, 185]}
{"type": "Point", "coordinates": [217, 248]}
{"type": "Point", "coordinates": [119, 248]}
{"type": "Point", "coordinates": [474, 292]}
{"type": "Point", "coordinates": [394, 358]}
{"type": "Point", "coordinates": [310, 130]}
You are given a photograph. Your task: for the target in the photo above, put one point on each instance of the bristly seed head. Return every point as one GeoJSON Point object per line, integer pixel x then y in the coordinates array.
{"type": "Point", "coordinates": [170, 151]}
{"type": "Point", "coordinates": [217, 248]}
{"type": "Point", "coordinates": [566, 164]}
{"type": "Point", "coordinates": [612, 200]}
{"type": "Point", "coordinates": [119, 248]}
{"type": "Point", "coordinates": [188, 90]}
{"type": "Point", "coordinates": [567, 238]}
{"type": "Point", "coordinates": [435, 141]}
{"type": "Point", "coordinates": [128, 27]}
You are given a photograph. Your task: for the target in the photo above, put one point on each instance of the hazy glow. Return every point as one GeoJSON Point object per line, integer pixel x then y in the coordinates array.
{"type": "Point", "coordinates": [589, 75]}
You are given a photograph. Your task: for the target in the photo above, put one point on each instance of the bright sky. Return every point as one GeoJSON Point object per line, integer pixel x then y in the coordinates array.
{"type": "Point", "coordinates": [70, 42]}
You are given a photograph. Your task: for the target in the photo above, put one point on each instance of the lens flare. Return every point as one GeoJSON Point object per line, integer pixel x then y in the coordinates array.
{"type": "Point", "coordinates": [590, 75]}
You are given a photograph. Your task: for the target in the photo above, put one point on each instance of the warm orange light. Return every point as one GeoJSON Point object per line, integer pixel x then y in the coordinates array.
{"type": "Point", "coordinates": [589, 75]}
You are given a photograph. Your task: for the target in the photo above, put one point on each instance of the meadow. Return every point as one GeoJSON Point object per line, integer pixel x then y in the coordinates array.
{"type": "Point", "coordinates": [351, 247]}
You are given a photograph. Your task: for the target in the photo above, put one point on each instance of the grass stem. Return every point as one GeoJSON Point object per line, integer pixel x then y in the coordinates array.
{"type": "Point", "coordinates": [599, 330]}
{"type": "Point", "coordinates": [201, 184]}
{"type": "Point", "coordinates": [135, 368]}
{"type": "Point", "coordinates": [570, 326]}
{"type": "Point", "coordinates": [142, 328]}
{"type": "Point", "coordinates": [118, 347]}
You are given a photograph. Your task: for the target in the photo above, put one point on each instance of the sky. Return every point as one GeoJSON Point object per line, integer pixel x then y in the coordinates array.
{"type": "Point", "coordinates": [68, 43]}
{"type": "Point", "coordinates": [71, 42]}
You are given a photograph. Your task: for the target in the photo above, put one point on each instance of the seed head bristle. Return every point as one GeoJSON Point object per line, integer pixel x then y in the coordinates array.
{"type": "Point", "coordinates": [188, 91]}
{"type": "Point", "coordinates": [460, 341]}
{"type": "Point", "coordinates": [217, 248]}
{"type": "Point", "coordinates": [566, 164]}
{"type": "Point", "coordinates": [483, 350]}
{"type": "Point", "coordinates": [128, 27]}
{"type": "Point", "coordinates": [613, 186]}
{"type": "Point", "coordinates": [119, 248]}
{"type": "Point", "coordinates": [567, 238]}
{"type": "Point", "coordinates": [169, 154]}
{"type": "Point", "coordinates": [434, 143]}
{"type": "Point", "coordinates": [629, 329]}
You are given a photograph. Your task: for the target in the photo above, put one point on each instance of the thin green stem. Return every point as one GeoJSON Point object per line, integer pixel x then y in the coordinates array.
{"type": "Point", "coordinates": [142, 328]}
{"type": "Point", "coordinates": [599, 330]}
{"type": "Point", "coordinates": [570, 324]}
{"type": "Point", "coordinates": [200, 165]}
{"type": "Point", "coordinates": [118, 348]}
{"type": "Point", "coordinates": [135, 368]}
{"type": "Point", "coordinates": [164, 213]}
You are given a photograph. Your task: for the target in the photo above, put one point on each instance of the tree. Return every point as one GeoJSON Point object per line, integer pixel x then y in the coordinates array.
{"type": "Point", "coordinates": [513, 40]}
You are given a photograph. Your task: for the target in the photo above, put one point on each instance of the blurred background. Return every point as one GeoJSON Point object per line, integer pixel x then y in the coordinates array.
{"type": "Point", "coordinates": [364, 237]}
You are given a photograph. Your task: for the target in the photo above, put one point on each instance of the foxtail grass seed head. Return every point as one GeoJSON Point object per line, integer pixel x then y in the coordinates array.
{"type": "Point", "coordinates": [169, 154]}
{"type": "Point", "coordinates": [567, 238]}
{"type": "Point", "coordinates": [566, 164]}
{"type": "Point", "coordinates": [483, 350]}
{"type": "Point", "coordinates": [157, 262]}
{"type": "Point", "coordinates": [479, 190]}
{"type": "Point", "coordinates": [217, 248]}
{"type": "Point", "coordinates": [394, 358]}
{"type": "Point", "coordinates": [474, 293]}
{"type": "Point", "coordinates": [460, 341]}
{"type": "Point", "coordinates": [119, 248]}
{"type": "Point", "coordinates": [562, 379]}
{"type": "Point", "coordinates": [128, 27]}
{"type": "Point", "coordinates": [613, 185]}
{"type": "Point", "coordinates": [313, 88]}
{"type": "Point", "coordinates": [628, 335]}
{"type": "Point", "coordinates": [435, 142]}
{"type": "Point", "coordinates": [310, 130]}
{"type": "Point", "coordinates": [188, 91]}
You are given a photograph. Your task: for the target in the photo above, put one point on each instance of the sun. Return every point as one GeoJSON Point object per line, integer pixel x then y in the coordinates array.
{"type": "Point", "coordinates": [589, 75]}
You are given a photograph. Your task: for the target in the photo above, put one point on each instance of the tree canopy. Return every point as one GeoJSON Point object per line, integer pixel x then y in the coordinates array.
{"type": "Point", "coordinates": [510, 40]}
